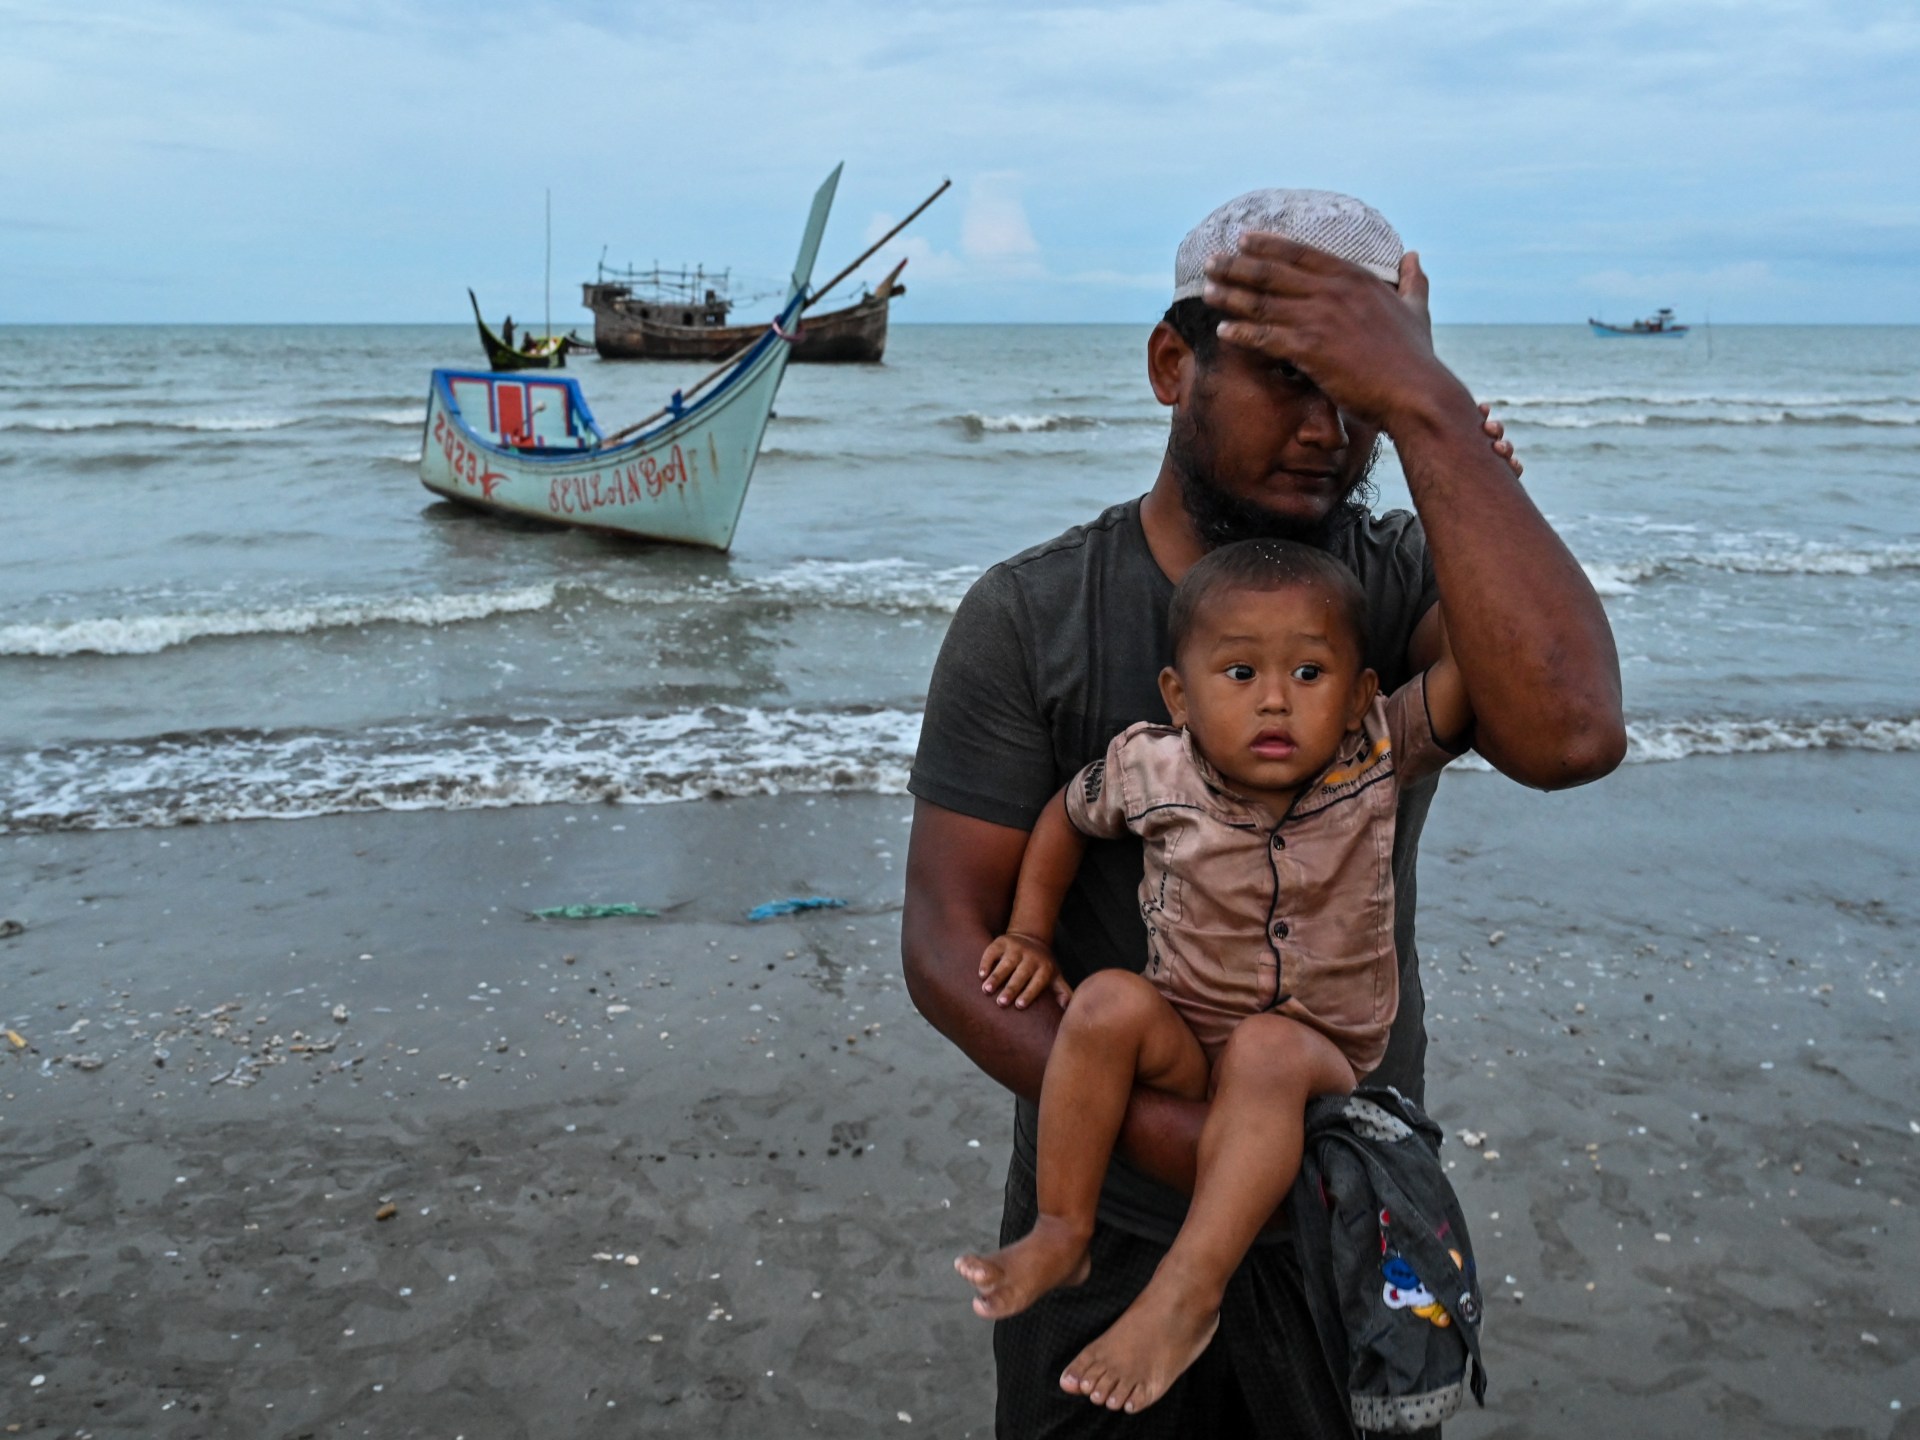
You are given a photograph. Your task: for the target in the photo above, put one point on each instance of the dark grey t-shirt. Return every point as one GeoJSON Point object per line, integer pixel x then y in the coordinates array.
{"type": "Point", "coordinates": [1053, 653]}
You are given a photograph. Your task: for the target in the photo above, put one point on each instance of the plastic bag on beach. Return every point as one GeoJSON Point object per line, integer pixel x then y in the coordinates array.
{"type": "Point", "coordinates": [591, 912]}
{"type": "Point", "coordinates": [794, 905]}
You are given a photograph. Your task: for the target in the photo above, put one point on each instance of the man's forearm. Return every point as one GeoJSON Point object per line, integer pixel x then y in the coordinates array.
{"type": "Point", "coordinates": [1526, 628]}
{"type": "Point", "coordinates": [1160, 1134]}
{"type": "Point", "coordinates": [960, 879]}
{"type": "Point", "coordinates": [942, 972]}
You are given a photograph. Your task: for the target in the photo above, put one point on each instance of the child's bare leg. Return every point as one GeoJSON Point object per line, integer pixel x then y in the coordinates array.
{"type": "Point", "coordinates": [1117, 1030]}
{"type": "Point", "coordinates": [1249, 1155]}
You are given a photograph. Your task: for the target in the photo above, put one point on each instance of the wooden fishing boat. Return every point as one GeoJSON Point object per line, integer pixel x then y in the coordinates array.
{"type": "Point", "coordinates": [546, 353]}
{"type": "Point", "coordinates": [531, 447]}
{"type": "Point", "coordinates": [657, 324]}
{"type": "Point", "coordinates": [682, 314]}
{"type": "Point", "coordinates": [1659, 324]}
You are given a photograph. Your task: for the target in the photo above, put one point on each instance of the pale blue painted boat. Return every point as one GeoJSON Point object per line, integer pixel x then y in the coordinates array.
{"type": "Point", "coordinates": [1658, 326]}
{"type": "Point", "coordinates": [527, 445]}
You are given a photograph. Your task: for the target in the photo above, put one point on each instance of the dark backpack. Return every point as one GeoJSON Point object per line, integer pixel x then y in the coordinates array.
{"type": "Point", "coordinates": [1387, 1263]}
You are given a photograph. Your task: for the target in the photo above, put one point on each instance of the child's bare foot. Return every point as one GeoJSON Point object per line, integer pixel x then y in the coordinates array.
{"type": "Point", "coordinates": [1010, 1280]}
{"type": "Point", "coordinates": [1148, 1348]}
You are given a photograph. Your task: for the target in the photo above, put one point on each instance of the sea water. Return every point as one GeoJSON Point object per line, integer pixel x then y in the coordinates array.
{"type": "Point", "coordinates": [224, 594]}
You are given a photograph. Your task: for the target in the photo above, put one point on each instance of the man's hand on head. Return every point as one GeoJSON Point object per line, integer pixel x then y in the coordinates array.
{"type": "Point", "coordinates": [1367, 344]}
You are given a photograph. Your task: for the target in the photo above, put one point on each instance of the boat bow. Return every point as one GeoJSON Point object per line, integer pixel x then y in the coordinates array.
{"type": "Point", "coordinates": [530, 446]}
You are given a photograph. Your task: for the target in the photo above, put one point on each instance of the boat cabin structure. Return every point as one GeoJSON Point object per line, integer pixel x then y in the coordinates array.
{"type": "Point", "coordinates": [695, 299]}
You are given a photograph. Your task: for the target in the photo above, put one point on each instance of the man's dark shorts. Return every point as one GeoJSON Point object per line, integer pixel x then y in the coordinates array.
{"type": "Point", "coordinates": [1263, 1377]}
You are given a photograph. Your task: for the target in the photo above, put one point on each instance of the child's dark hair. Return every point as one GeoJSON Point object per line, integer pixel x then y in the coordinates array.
{"type": "Point", "coordinates": [1265, 565]}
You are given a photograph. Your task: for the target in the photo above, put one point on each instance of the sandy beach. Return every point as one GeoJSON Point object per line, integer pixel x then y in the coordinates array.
{"type": "Point", "coordinates": [698, 1176]}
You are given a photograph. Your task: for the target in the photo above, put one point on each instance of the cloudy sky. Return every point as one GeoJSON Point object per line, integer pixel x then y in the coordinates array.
{"type": "Point", "coordinates": [301, 161]}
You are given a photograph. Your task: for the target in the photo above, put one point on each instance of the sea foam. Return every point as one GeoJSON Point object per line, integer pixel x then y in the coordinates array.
{"type": "Point", "coordinates": [889, 586]}
{"type": "Point", "coordinates": [715, 751]}
{"type": "Point", "coordinates": [1754, 558]}
{"type": "Point", "coordinates": [685, 755]}
{"type": "Point", "coordinates": [975, 424]}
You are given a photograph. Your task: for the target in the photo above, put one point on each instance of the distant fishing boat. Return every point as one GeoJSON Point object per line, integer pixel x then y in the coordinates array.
{"type": "Point", "coordinates": [684, 314]}
{"type": "Point", "coordinates": [1660, 324]}
{"type": "Point", "coordinates": [531, 447]}
{"type": "Point", "coordinates": [548, 352]}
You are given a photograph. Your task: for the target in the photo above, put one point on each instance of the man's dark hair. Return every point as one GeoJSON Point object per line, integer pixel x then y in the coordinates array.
{"type": "Point", "coordinates": [1197, 323]}
{"type": "Point", "coordinates": [1262, 565]}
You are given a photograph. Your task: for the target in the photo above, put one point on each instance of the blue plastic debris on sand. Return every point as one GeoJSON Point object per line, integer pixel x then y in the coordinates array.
{"type": "Point", "coordinates": [592, 912]}
{"type": "Point", "coordinates": [793, 906]}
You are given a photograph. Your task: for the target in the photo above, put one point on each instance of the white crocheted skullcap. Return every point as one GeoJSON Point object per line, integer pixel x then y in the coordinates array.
{"type": "Point", "coordinates": [1324, 219]}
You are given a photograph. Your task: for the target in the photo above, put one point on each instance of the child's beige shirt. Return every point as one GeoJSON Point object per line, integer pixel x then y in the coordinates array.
{"type": "Point", "coordinates": [1248, 912]}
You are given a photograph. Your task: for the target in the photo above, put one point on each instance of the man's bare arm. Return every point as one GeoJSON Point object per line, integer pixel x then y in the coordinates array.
{"type": "Point", "coordinates": [1517, 613]}
{"type": "Point", "coordinates": [960, 883]}
{"type": "Point", "coordinates": [1531, 638]}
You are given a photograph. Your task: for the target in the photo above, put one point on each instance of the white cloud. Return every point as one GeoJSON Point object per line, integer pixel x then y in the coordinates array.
{"type": "Point", "coordinates": [994, 228]}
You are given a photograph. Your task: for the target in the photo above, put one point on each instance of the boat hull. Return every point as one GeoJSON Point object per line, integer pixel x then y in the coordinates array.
{"type": "Point", "coordinates": [1625, 332]}
{"type": "Point", "coordinates": [529, 446]}
{"type": "Point", "coordinates": [854, 335]}
{"type": "Point", "coordinates": [547, 354]}
{"type": "Point", "coordinates": [684, 481]}
{"type": "Point", "coordinates": [551, 356]}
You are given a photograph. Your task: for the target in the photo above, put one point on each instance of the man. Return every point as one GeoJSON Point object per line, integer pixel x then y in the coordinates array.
{"type": "Point", "coordinates": [1297, 338]}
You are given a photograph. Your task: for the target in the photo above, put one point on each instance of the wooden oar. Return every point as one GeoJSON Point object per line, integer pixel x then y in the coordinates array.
{"type": "Point", "coordinates": [812, 300]}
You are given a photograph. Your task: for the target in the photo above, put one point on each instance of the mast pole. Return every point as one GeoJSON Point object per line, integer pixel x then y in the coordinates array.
{"type": "Point", "coordinates": [734, 359]}
{"type": "Point", "coordinates": [815, 298]}
{"type": "Point", "coordinates": [549, 262]}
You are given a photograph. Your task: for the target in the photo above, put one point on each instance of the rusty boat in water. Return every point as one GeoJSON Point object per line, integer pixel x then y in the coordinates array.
{"type": "Point", "coordinates": [685, 314]}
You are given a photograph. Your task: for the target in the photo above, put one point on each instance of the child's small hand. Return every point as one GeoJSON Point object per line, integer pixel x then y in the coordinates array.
{"type": "Point", "coordinates": [1022, 969]}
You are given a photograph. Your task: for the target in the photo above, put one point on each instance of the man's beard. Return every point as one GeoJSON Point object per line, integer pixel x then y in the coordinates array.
{"type": "Point", "coordinates": [1220, 518]}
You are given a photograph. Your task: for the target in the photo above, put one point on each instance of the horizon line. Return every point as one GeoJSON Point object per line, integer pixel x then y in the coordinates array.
{"type": "Point", "coordinates": [918, 324]}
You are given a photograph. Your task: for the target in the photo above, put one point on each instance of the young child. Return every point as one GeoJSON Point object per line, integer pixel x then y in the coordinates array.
{"type": "Point", "coordinates": [1267, 814]}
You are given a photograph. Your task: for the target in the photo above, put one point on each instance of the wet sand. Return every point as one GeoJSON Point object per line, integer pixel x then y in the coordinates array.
{"type": "Point", "coordinates": [690, 1175]}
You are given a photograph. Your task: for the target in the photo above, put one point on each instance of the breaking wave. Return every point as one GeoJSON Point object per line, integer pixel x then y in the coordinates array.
{"type": "Point", "coordinates": [1651, 742]}
{"type": "Point", "coordinates": [1678, 740]}
{"type": "Point", "coordinates": [1602, 409]}
{"type": "Point", "coordinates": [1574, 399]}
{"type": "Point", "coordinates": [1621, 577]}
{"type": "Point", "coordinates": [715, 752]}
{"type": "Point", "coordinates": [974, 424]}
{"type": "Point", "coordinates": [213, 424]}
{"type": "Point", "coordinates": [690, 755]}
{"type": "Point", "coordinates": [887, 586]}
{"type": "Point", "coordinates": [1656, 419]}
{"type": "Point", "coordinates": [108, 423]}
